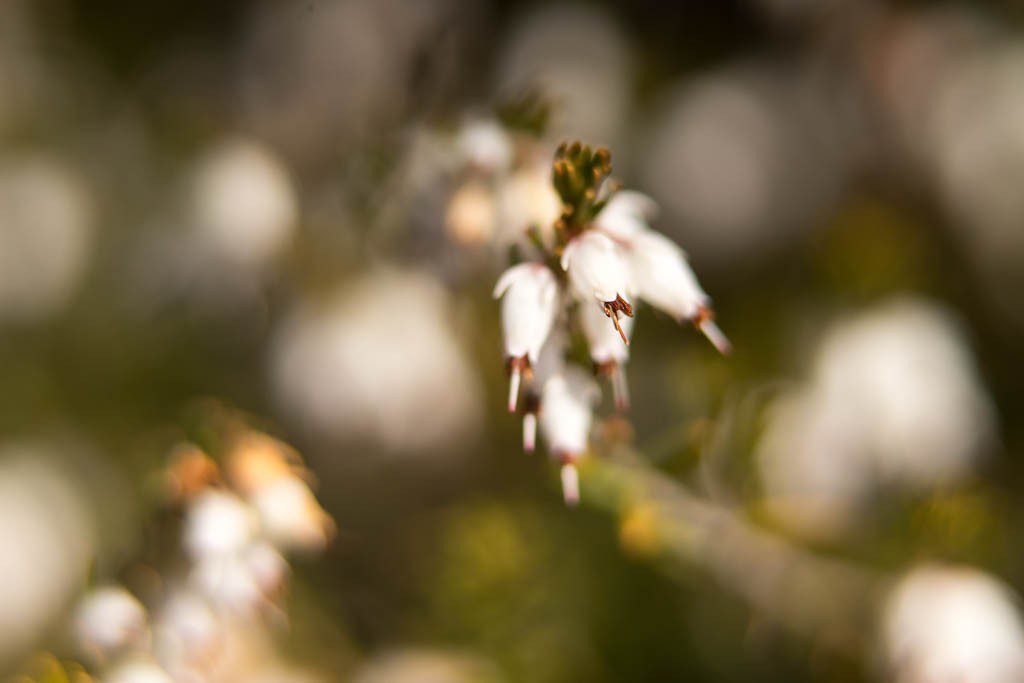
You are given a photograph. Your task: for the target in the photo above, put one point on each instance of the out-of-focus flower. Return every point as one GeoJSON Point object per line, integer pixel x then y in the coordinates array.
{"type": "Point", "coordinates": [895, 398]}
{"type": "Point", "coordinates": [243, 205]}
{"type": "Point", "coordinates": [228, 584]}
{"type": "Point", "coordinates": [529, 304]}
{"type": "Point", "coordinates": [953, 624]}
{"type": "Point", "coordinates": [288, 53]}
{"type": "Point", "coordinates": [425, 666]}
{"type": "Point", "coordinates": [567, 402]}
{"type": "Point", "coordinates": [218, 524]}
{"type": "Point", "coordinates": [290, 516]}
{"type": "Point", "coordinates": [46, 543]}
{"type": "Point", "coordinates": [577, 56]}
{"type": "Point", "coordinates": [347, 369]}
{"type": "Point", "coordinates": [139, 670]}
{"type": "Point", "coordinates": [742, 160]}
{"type": "Point", "coordinates": [257, 460]}
{"type": "Point", "coordinates": [977, 147]}
{"type": "Point", "coordinates": [45, 236]}
{"type": "Point", "coordinates": [110, 620]}
{"type": "Point", "coordinates": [485, 145]}
{"type": "Point", "coordinates": [191, 471]}
{"type": "Point", "coordinates": [187, 635]}
{"type": "Point", "coordinates": [470, 218]}
{"type": "Point", "coordinates": [526, 199]}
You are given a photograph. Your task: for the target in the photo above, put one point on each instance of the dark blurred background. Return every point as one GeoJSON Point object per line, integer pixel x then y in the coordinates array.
{"type": "Point", "coordinates": [249, 204]}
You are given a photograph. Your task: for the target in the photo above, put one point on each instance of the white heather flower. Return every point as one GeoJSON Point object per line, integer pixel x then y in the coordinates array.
{"type": "Point", "coordinates": [550, 362]}
{"type": "Point", "coordinates": [953, 624]}
{"type": "Point", "coordinates": [529, 304]}
{"type": "Point", "coordinates": [486, 145]}
{"type": "Point", "coordinates": [598, 270]}
{"type": "Point", "coordinates": [108, 620]}
{"type": "Point", "coordinates": [218, 524]}
{"type": "Point", "coordinates": [567, 405]}
{"type": "Point", "coordinates": [663, 277]}
{"type": "Point", "coordinates": [607, 350]}
{"type": "Point", "coordinates": [626, 214]}
{"type": "Point", "coordinates": [290, 515]}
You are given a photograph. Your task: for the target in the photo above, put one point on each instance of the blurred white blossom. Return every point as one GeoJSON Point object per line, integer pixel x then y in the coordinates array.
{"type": "Point", "coordinates": [742, 159]}
{"type": "Point", "coordinates": [108, 620]}
{"type": "Point", "coordinates": [425, 666]}
{"type": "Point", "coordinates": [485, 145]}
{"type": "Point", "coordinates": [577, 56]}
{"type": "Point", "coordinates": [218, 524]}
{"type": "Point", "coordinates": [894, 399]}
{"type": "Point", "coordinates": [290, 516]}
{"type": "Point", "coordinates": [243, 206]}
{"type": "Point", "coordinates": [45, 235]}
{"type": "Point", "coordinates": [951, 624]}
{"type": "Point", "coordinates": [525, 198]}
{"type": "Point", "coordinates": [139, 670]}
{"type": "Point", "coordinates": [47, 539]}
{"type": "Point", "coordinates": [379, 361]}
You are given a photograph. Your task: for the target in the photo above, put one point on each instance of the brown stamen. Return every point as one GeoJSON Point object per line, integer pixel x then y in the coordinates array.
{"type": "Point", "coordinates": [612, 309]}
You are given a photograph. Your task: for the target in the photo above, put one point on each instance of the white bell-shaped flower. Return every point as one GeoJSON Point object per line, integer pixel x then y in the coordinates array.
{"type": "Point", "coordinates": [598, 270]}
{"type": "Point", "coordinates": [626, 214]}
{"type": "Point", "coordinates": [529, 305]}
{"type": "Point", "coordinates": [663, 277]}
{"type": "Point", "coordinates": [550, 362]}
{"type": "Point", "coordinates": [567, 406]}
{"type": "Point", "coordinates": [607, 351]}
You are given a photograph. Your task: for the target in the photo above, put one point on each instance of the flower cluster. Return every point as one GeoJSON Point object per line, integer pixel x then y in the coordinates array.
{"type": "Point", "coordinates": [586, 273]}
{"type": "Point", "coordinates": [237, 522]}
